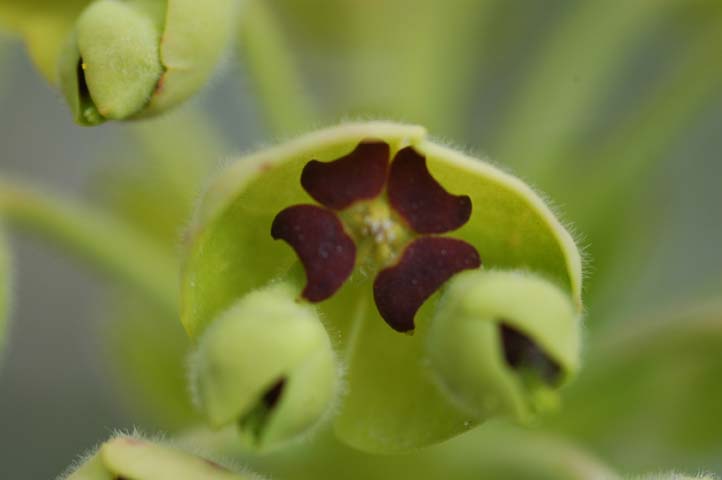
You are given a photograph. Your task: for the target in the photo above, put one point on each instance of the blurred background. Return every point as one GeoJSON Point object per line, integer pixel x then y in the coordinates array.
{"type": "Point", "coordinates": [612, 109]}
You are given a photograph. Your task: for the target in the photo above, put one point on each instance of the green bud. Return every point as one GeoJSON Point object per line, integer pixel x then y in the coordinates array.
{"type": "Point", "coordinates": [267, 365]}
{"type": "Point", "coordinates": [136, 58]}
{"type": "Point", "coordinates": [503, 343]}
{"type": "Point", "coordinates": [132, 457]}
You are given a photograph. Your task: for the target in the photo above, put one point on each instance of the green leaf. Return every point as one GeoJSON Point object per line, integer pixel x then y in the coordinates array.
{"type": "Point", "coordinates": [393, 404]}
{"type": "Point", "coordinates": [139, 459]}
{"type": "Point", "coordinates": [5, 290]}
{"type": "Point", "coordinates": [649, 398]}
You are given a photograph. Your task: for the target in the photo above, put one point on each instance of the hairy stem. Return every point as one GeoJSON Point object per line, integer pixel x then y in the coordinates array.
{"type": "Point", "coordinates": [105, 243]}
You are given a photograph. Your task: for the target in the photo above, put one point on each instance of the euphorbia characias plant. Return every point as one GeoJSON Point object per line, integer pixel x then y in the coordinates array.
{"type": "Point", "coordinates": [383, 273]}
{"type": "Point", "coordinates": [361, 289]}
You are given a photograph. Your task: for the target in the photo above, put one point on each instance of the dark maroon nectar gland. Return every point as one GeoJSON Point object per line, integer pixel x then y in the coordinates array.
{"type": "Point", "coordinates": [384, 230]}
{"type": "Point", "coordinates": [425, 265]}
{"type": "Point", "coordinates": [419, 198]}
{"type": "Point", "coordinates": [327, 253]}
{"type": "Point", "coordinates": [360, 175]}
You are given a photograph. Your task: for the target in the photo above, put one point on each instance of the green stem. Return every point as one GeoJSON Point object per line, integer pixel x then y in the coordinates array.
{"type": "Point", "coordinates": [101, 240]}
{"type": "Point", "coordinates": [280, 87]}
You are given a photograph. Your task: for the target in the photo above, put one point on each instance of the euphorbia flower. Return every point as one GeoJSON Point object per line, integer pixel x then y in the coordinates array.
{"type": "Point", "coordinates": [487, 342]}
{"type": "Point", "coordinates": [352, 185]}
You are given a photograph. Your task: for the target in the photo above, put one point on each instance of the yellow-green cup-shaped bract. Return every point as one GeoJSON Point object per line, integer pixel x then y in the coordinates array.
{"type": "Point", "coordinates": [266, 364]}
{"type": "Point", "coordinates": [138, 459]}
{"type": "Point", "coordinates": [136, 58]}
{"type": "Point", "coordinates": [503, 342]}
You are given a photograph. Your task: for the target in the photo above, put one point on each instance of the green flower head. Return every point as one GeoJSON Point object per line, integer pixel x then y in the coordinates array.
{"type": "Point", "coordinates": [383, 234]}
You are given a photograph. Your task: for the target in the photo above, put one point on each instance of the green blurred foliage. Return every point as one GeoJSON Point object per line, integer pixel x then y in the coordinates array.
{"type": "Point", "coordinates": [44, 25]}
{"type": "Point", "coordinates": [152, 186]}
{"type": "Point", "coordinates": [584, 99]}
{"type": "Point", "coordinates": [650, 395]}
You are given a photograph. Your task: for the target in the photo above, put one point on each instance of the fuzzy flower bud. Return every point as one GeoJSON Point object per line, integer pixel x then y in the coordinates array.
{"type": "Point", "coordinates": [267, 365]}
{"type": "Point", "coordinates": [503, 343]}
{"type": "Point", "coordinates": [137, 58]}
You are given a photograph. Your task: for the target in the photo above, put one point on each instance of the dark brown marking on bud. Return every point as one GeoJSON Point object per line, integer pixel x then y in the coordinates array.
{"type": "Point", "coordinates": [326, 251]}
{"type": "Point", "coordinates": [83, 90]}
{"type": "Point", "coordinates": [273, 394]}
{"type": "Point", "coordinates": [521, 352]}
{"type": "Point", "coordinates": [160, 85]}
{"type": "Point", "coordinates": [415, 195]}
{"type": "Point", "coordinates": [426, 263]}
{"type": "Point", "coordinates": [360, 175]}
{"type": "Point", "coordinates": [215, 465]}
